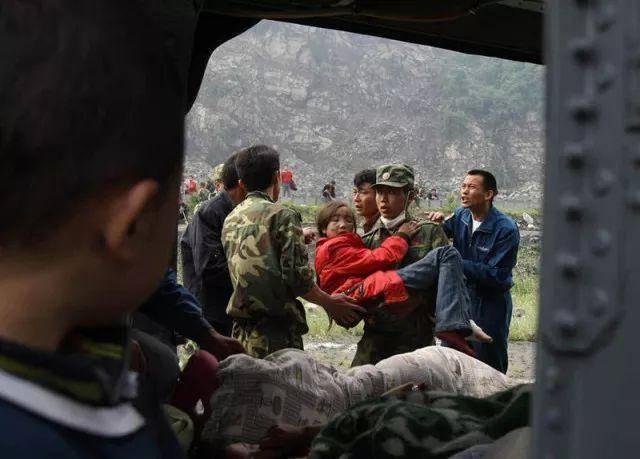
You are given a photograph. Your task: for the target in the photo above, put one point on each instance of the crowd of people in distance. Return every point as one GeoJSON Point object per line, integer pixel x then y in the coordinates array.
{"type": "Point", "coordinates": [91, 310]}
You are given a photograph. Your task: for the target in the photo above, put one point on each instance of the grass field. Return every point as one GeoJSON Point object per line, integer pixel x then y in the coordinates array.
{"type": "Point", "coordinates": [525, 295]}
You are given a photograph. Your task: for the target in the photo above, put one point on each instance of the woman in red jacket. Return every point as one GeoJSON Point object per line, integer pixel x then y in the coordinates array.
{"type": "Point", "coordinates": [345, 265]}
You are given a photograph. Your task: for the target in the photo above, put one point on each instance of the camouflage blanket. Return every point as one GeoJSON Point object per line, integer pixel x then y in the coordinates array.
{"type": "Point", "coordinates": [422, 424]}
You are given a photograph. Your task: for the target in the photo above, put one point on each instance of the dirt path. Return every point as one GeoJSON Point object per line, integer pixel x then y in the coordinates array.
{"type": "Point", "coordinates": [521, 355]}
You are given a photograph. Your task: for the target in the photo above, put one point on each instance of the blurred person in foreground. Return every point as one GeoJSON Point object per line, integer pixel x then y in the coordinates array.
{"type": "Point", "coordinates": [91, 116]}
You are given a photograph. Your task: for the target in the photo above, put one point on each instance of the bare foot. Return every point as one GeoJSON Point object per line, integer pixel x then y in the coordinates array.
{"type": "Point", "coordinates": [478, 334]}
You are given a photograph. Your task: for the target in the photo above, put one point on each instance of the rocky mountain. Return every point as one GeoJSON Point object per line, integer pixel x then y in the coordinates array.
{"type": "Point", "coordinates": [333, 103]}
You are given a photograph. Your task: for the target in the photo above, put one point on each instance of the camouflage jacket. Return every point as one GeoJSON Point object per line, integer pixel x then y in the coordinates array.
{"type": "Point", "coordinates": [428, 238]}
{"type": "Point", "coordinates": [268, 261]}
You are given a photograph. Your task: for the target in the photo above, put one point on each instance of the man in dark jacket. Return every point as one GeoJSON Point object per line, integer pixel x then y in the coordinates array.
{"type": "Point", "coordinates": [488, 241]}
{"type": "Point", "coordinates": [204, 264]}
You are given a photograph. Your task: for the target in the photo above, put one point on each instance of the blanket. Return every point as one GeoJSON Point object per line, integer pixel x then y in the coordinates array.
{"type": "Point", "coordinates": [422, 424]}
{"type": "Point", "coordinates": [291, 387]}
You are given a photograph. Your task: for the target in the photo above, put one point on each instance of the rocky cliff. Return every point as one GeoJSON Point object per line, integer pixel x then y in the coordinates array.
{"type": "Point", "coordinates": [333, 103]}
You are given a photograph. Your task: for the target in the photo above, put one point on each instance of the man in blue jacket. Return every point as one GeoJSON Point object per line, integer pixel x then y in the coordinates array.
{"type": "Point", "coordinates": [488, 241]}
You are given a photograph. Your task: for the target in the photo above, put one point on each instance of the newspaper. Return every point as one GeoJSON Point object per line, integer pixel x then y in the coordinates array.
{"type": "Point", "coordinates": [290, 387]}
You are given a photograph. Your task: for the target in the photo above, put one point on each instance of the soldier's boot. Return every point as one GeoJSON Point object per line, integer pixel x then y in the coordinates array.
{"type": "Point", "coordinates": [381, 286]}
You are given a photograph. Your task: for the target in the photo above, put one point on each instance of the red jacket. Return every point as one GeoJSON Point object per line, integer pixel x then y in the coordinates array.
{"type": "Point", "coordinates": [344, 260]}
{"type": "Point", "coordinates": [287, 176]}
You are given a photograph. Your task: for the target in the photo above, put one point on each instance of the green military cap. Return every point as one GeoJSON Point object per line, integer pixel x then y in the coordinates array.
{"type": "Point", "coordinates": [217, 172]}
{"type": "Point", "coordinates": [395, 175]}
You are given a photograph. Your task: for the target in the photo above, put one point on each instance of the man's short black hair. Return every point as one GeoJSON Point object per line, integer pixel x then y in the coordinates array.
{"type": "Point", "coordinates": [256, 166]}
{"type": "Point", "coordinates": [365, 176]}
{"type": "Point", "coordinates": [87, 103]}
{"type": "Point", "coordinates": [488, 179]}
{"type": "Point", "coordinates": [229, 173]}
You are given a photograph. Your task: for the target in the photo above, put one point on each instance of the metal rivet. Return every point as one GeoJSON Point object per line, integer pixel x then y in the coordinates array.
{"type": "Point", "coordinates": [605, 17]}
{"type": "Point", "coordinates": [575, 154]}
{"type": "Point", "coordinates": [582, 108]}
{"type": "Point", "coordinates": [634, 200]}
{"type": "Point", "coordinates": [601, 242]}
{"type": "Point", "coordinates": [554, 418]}
{"type": "Point", "coordinates": [604, 182]}
{"type": "Point", "coordinates": [599, 303]}
{"type": "Point", "coordinates": [572, 207]}
{"type": "Point", "coordinates": [582, 49]}
{"type": "Point", "coordinates": [569, 265]}
{"type": "Point", "coordinates": [605, 76]}
{"type": "Point", "coordinates": [566, 322]}
{"type": "Point", "coordinates": [552, 379]}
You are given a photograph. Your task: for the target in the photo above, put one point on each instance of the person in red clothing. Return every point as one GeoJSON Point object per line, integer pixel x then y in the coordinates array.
{"type": "Point", "coordinates": [344, 264]}
{"type": "Point", "coordinates": [287, 182]}
{"type": "Point", "coordinates": [190, 186]}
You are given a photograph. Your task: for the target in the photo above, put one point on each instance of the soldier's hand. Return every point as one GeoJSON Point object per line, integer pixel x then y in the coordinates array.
{"type": "Point", "coordinates": [219, 345]}
{"type": "Point", "coordinates": [351, 324]}
{"type": "Point", "coordinates": [410, 228]}
{"type": "Point", "coordinates": [343, 310]}
{"type": "Point", "coordinates": [437, 217]}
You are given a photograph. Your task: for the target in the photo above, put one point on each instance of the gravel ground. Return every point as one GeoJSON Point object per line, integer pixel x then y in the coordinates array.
{"type": "Point", "coordinates": [521, 355]}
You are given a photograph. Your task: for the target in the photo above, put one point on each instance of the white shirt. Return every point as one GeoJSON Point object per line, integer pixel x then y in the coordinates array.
{"type": "Point", "coordinates": [392, 223]}
{"type": "Point", "coordinates": [476, 225]}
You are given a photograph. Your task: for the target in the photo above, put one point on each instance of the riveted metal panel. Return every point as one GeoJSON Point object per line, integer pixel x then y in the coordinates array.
{"type": "Point", "coordinates": [586, 400]}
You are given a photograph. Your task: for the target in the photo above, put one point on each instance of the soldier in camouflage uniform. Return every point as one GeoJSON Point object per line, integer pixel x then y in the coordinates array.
{"type": "Point", "coordinates": [216, 175]}
{"type": "Point", "coordinates": [268, 263]}
{"type": "Point", "coordinates": [385, 335]}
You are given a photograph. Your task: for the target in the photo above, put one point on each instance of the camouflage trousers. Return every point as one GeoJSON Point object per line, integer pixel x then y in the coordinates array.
{"type": "Point", "coordinates": [263, 337]}
{"type": "Point", "coordinates": [385, 336]}
{"type": "Point", "coordinates": [374, 347]}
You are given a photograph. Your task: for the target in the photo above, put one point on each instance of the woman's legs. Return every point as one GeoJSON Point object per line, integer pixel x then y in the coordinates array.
{"type": "Point", "coordinates": [442, 267]}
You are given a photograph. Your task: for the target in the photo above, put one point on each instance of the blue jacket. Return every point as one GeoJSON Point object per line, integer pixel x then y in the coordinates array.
{"type": "Point", "coordinates": [489, 256]}
{"type": "Point", "coordinates": [172, 309]}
